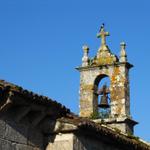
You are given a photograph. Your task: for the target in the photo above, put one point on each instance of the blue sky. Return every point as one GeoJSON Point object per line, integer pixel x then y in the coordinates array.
{"type": "Point", "coordinates": [41, 44]}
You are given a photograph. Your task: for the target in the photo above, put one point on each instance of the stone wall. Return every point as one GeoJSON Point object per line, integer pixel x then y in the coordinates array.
{"type": "Point", "coordinates": [70, 141]}
{"type": "Point", "coordinates": [119, 89]}
{"type": "Point", "coordinates": [18, 136]}
{"type": "Point", "coordinates": [123, 127]}
{"type": "Point", "coordinates": [60, 142]}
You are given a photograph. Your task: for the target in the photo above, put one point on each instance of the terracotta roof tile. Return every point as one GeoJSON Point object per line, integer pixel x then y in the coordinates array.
{"type": "Point", "coordinates": [29, 95]}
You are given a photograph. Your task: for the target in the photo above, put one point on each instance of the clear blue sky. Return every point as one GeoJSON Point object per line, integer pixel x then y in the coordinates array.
{"type": "Point", "coordinates": [41, 44]}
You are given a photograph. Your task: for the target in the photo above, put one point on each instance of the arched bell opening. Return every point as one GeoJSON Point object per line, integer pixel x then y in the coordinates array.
{"type": "Point", "coordinates": [102, 96]}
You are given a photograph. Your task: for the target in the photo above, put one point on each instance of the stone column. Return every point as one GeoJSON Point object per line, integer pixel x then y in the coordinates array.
{"type": "Point", "coordinates": [85, 58]}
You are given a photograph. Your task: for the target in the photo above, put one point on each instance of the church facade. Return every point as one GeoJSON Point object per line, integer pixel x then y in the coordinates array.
{"type": "Point", "coordinates": [29, 121]}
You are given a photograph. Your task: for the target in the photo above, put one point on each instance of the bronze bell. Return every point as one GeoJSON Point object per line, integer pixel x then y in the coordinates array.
{"type": "Point", "coordinates": [104, 101]}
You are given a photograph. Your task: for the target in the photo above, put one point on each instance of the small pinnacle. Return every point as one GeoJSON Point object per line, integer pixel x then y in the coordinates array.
{"type": "Point", "coordinates": [123, 45]}
{"type": "Point", "coordinates": [123, 55]}
{"type": "Point", "coordinates": [85, 48]}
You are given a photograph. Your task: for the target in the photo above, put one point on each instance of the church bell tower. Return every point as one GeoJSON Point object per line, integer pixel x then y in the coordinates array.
{"type": "Point", "coordinates": [116, 96]}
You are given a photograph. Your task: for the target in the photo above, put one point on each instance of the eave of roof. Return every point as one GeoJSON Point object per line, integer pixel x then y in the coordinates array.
{"type": "Point", "coordinates": [10, 89]}
{"type": "Point", "coordinates": [99, 130]}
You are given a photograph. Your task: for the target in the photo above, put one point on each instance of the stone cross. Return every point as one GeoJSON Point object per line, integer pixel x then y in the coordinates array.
{"type": "Point", "coordinates": [103, 35]}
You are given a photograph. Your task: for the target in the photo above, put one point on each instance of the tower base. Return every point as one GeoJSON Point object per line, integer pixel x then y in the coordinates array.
{"type": "Point", "coordinates": [122, 124]}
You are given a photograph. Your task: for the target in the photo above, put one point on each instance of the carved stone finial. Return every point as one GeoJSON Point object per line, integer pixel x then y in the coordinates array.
{"type": "Point", "coordinates": [85, 58]}
{"type": "Point", "coordinates": [85, 48]}
{"type": "Point", "coordinates": [102, 34]}
{"type": "Point", "coordinates": [123, 45]}
{"type": "Point", "coordinates": [123, 55]}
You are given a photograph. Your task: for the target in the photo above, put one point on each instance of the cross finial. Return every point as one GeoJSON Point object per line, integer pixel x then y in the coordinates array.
{"type": "Point", "coordinates": [103, 35]}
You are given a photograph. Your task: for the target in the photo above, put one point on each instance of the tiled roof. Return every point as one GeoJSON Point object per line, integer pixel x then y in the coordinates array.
{"type": "Point", "coordinates": [84, 125]}
{"type": "Point", "coordinates": [6, 87]}
{"type": "Point", "coordinates": [101, 131]}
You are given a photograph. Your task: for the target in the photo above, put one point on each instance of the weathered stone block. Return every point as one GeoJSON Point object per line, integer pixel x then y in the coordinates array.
{"type": "Point", "coordinates": [2, 128]}
{"type": "Point", "coordinates": [61, 142]}
{"type": "Point", "coordinates": [16, 132]}
{"type": "Point", "coordinates": [6, 145]}
{"type": "Point", "coordinates": [25, 147]}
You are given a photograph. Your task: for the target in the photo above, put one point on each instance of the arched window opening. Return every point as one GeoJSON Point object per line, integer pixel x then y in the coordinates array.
{"type": "Point", "coordinates": [102, 87]}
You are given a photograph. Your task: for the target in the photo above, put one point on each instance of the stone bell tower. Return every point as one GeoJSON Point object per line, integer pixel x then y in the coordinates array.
{"type": "Point", "coordinates": [93, 70]}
